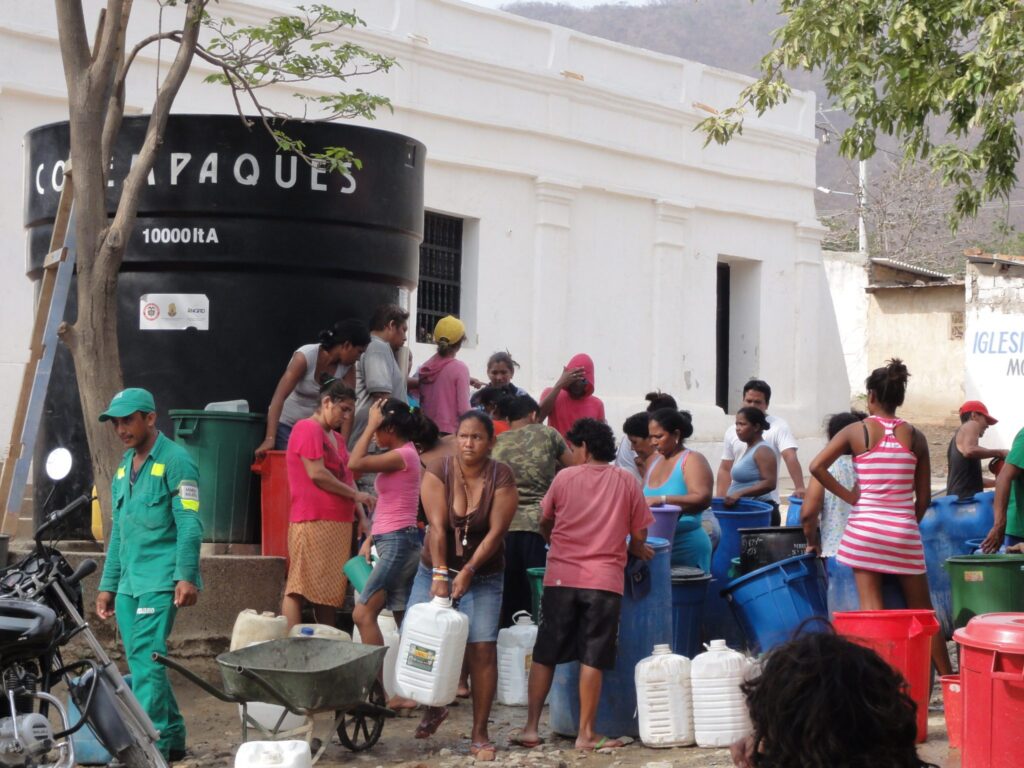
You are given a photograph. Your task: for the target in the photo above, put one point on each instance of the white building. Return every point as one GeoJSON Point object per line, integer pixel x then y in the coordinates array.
{"type": "Point", "coordinates": [593, 219]}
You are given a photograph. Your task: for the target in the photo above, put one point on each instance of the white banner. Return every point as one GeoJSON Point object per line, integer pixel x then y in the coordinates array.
{"type": "Point", "coordinates": [994, 360]}
{"type": "Point", "coordinates": [174, 312]}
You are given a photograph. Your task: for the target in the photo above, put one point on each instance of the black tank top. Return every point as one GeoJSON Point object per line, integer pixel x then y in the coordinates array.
{"type": "Point", "coordinates": [964, 475]}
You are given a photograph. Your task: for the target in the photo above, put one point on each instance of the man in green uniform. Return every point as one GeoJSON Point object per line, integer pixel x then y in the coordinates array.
{"type": "Point", "coordinates": [152, 566]}
{"type": "Point", "coordinates": [1009, 502]}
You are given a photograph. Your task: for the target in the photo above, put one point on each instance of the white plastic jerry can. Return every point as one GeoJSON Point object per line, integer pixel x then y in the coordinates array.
{"type": "Point", "coordinates": [515, 655]}
{"type": "Point", "coordinates": [274, 754]}
{"type": "Point", "coordinates": [664, 700]}
{"type": "Point", "coordinates": [324, 631]}
{"type": "Point", "coordinates": [430, 655]}
{"type": "Point", "coordinates": [252, 627]}
{"type": "Point", "coordinates": [389, 630]}
{"type": "Point", "coordinates": [720, 714]}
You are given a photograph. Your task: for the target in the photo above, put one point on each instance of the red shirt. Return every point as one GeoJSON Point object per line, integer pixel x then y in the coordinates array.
{"type": "Point", "coordinates": [595, 507]}
{"type": "Point", "coordinates": [308, 440]}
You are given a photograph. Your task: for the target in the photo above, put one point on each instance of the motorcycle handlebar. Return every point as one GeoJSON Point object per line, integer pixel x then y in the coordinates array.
{"type": "Point", "coordinates": [58, 516]}
{"type": "Point", "coordinates": [85, 568]}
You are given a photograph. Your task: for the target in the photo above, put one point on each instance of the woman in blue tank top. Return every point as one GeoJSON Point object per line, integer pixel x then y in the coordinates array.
{"type": "Point", "coordinates": [678, 476]}
{"type": "Point", "coordinates": [755, 473]}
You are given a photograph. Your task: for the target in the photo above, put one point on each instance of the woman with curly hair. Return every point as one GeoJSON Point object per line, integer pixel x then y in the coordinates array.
{"type": "Point", "coordinates": [821, 702]}
{"type": "Point", "coordinates": [893, 468]}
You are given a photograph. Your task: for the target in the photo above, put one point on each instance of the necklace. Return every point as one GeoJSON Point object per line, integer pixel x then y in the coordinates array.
{"type": "Point", "coordinates": [470, 507]}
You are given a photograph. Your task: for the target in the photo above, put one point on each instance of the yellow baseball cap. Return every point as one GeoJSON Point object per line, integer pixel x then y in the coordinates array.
{"type": "Point", "coordinates": [450, 329]}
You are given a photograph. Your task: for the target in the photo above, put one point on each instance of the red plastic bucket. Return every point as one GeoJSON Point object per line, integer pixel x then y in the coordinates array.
{"type": "Point", "coordinates": [992, 689]}
{"type": "Point", "coordinates": [275, 503]}
{"type": "Point", "coordinates": [953, 704]}
{"type": "Point", "coordinates": [903, 639]}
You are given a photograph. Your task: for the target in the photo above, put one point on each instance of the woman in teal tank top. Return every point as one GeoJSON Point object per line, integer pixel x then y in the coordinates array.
{"type": "Point", "coordinates": [678, 476]}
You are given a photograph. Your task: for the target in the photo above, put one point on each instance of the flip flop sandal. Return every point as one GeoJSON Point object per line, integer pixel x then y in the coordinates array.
{"type": "Point", "coordinates": [603, 743]}
{"type": "Point", "coordinates": [430, 723]}
{"type": "Point", "coordinates": [485, 751]}
{"type": "Point", "coordinates": [525, 743]}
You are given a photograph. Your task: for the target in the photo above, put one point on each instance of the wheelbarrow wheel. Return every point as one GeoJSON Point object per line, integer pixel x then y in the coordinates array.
{"type": "Point", "coordinates": [360, 729]}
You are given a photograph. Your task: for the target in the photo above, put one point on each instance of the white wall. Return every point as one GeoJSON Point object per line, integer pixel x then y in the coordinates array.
{"type": "Point", "coordinates": [597, 219]}
{"type": "Point", "coordinates": [994, 346]}
{"type": "Point", "coordinates": [847, 274]}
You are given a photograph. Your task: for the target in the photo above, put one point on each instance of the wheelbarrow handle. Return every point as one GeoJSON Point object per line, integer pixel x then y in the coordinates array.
{"type": "Point", "coordinates": [265, 684]}
{"type": "Point", "coordinates": [193, 677]}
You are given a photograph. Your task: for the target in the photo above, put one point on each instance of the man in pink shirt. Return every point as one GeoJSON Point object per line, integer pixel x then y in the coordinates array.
{"type": "Point", "coordinates": [587, 514]}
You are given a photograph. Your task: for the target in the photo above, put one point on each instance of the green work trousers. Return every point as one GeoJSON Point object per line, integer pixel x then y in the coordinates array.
{"type": "Point", "coordinates": [145, 622]}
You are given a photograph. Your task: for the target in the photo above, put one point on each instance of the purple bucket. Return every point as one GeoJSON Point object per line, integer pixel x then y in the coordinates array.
{"type": "Point", "coordinates": [665, 518]}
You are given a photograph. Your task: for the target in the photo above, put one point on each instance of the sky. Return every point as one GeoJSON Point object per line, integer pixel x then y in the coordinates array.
{"type": "Point", "coordinates": [575, 3]}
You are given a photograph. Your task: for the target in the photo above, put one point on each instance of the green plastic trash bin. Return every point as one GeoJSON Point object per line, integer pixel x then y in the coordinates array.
{"type": "Point", "coordinates": [536, 576]}
{"type": "Point", "coordinates": [985, 584]}
{"type": "Point", "coordinates": [222, 444]}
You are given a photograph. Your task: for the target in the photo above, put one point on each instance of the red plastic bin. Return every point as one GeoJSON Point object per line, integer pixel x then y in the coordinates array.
{"type": "Point", "coordinates": [992, 683]}
{"type": "Point", "coordinates": [953, 705]}
{"type": "Point", "coordinates": [275, 503]}
{"type": "Point", "coordinates": [903, 639]}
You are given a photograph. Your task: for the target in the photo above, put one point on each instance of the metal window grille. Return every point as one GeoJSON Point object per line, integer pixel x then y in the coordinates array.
{"type": "Point", "coordinates": [440, 282]}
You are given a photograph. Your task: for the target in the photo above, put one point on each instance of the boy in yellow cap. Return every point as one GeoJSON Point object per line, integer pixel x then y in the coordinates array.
{"type": "Point", "coordinates": [152, 566]}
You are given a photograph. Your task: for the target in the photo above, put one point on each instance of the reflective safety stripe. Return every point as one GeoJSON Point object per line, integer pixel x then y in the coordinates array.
{"type": "Point", "coordinates": [120, 473]}
{"type": "Point", "coordinates": [191, 506]}
{"type": "Point", "coordinates": [158, 470]}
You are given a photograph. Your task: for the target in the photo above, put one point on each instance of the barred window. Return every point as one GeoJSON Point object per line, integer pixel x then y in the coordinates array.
{"type": "Point", "coordinates": [440, 282]}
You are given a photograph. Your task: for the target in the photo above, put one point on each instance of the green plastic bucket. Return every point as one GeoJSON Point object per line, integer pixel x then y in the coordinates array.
{"type": "Point", "coordinates": [985, 584]}
{"type": "Point", "coordinates": [222, 444]}
{"type": "Point", "coordinates": [536, 576]}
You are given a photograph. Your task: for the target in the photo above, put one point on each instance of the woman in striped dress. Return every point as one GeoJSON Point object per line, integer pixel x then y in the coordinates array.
{"type": "Point", "coordinates": [892, 493]}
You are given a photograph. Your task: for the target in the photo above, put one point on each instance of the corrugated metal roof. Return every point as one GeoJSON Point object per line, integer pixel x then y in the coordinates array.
{"type": "Point", "coordinates": [977, 256]}
{"type": "Point", "coordinates": [912, 269]}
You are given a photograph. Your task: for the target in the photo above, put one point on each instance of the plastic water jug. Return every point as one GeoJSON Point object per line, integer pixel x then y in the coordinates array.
{"type": "Point", "coordinates": [664, 699]}
{"type": "Point", "coordinates": [515, 655]}
{"type": "Point", "coordinates": [430, 655]}
{"type": "Point", "coordinates": [274, 754]}
{"type": "Point", "coordinates": [252, 627]}
{"type": "Point", "coordinates": [319, 630]}
{"type": "Point", "coordinates": [720, 714]}
{"type": "Point", "coordinates": [389, 630]}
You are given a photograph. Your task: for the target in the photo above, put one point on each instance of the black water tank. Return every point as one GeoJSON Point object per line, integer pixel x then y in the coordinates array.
{"type": "Point", "coordinates": [278, 248]}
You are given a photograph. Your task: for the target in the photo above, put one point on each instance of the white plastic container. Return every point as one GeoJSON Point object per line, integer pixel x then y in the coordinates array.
{"type": "Point", "coordinates": [389, 630]}
{"type": "Point", "coordinates": [664, 699]}
{"type": "Point", "coordinates": [274, 754]}
{"type": "Point", "coordinates": [720, 714]}
{"type": "Point", "coordinates": [325, 631]}
{"type": "Point", "coordinates": [515, 655]}
{"type": "Point", "coordinates": [430, 655]}
{"type": "Point", "coordinates": [252, 627]}
{"type": "Point", "coordinates": [231, 406]}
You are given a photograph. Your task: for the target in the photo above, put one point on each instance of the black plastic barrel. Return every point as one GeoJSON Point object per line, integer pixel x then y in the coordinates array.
{"type": "Point", "coordinates": [278, 249]}
{"type": "Point", "coordinates": [763, 546]}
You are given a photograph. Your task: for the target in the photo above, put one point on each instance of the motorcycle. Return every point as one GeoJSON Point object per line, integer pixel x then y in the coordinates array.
{"type": "Point", "coordinates": [41, 611]}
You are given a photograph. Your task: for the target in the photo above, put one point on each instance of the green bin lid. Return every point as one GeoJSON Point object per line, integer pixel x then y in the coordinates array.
{"type": "Point", "coordinates": [216, 415]}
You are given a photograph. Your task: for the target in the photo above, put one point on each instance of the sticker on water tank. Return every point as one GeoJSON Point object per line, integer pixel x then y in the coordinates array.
{"type": "Point", "coordinates": [421, 658]}
{"type": "Point", "coordinates": [174, 312]}
{"type": "Point", "coordinates": [974, 575]}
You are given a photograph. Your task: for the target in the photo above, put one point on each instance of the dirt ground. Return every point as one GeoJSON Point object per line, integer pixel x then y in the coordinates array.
{"type": "Point", "coordinates": [214, 735]}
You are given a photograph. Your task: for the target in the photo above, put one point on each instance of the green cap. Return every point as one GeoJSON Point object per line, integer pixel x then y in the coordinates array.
{"type": "Point", "coordinates": [128, 401]}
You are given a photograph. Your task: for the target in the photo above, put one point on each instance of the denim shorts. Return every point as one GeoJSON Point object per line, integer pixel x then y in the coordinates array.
{"type": "Point", "coordinates": [482, 603]}
{"type": "Point", "coordinates": [398, 554]}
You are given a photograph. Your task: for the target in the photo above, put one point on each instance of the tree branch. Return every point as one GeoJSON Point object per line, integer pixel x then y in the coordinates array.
{"type": "Point", "coordinates": [115, 103]}
{"type": "Point", "coordinates": [74, 43]}
{"type": "Point", "coordinates": [110, 45]}
{"type": "Point", "coordinates": [109, 259]}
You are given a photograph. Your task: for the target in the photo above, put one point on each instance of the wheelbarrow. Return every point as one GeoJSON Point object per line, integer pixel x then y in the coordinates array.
{"type": "Point", "coordinates": [307, 676]}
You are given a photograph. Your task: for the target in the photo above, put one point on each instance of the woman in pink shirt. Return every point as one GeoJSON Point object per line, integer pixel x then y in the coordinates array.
{"type": "Point", "coordinates": [443, 380]}
{"type": "Point", "coordinates": [397, 427]}
{"type": "Point", "coordinates": [324, 499]}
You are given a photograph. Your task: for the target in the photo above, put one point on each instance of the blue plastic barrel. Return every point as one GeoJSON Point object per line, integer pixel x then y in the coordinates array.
{"type": "Point", "coordinates": [772, 602]}
{"type": "Point", "coordinates": [689, 589]}
{"type": "Point", "coordinates": [88, 749]}
{"type": "Point", "coordinates": [643, 624]}
{"type": "Point", "coordinates": [719, 623]}
{"type": "Point", "coordinates": [793, 511]}
{"type": "Point", "coordinates": [842, 589]}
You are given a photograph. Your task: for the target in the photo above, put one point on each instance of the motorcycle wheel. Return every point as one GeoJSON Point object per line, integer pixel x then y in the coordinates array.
{"type": "Point", "coordinates": [142, 753]}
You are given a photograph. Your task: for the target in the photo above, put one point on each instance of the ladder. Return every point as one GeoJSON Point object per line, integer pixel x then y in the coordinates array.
{"type": "Point", "coordinates": [58, 268]}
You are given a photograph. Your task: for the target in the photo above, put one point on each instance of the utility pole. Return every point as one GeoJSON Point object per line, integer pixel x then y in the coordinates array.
{"type": "Point", "coordinates": [862, 201]}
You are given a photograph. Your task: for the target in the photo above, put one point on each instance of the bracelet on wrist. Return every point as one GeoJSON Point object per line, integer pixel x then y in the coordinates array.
{"type": "Point", "coordinates": [438, 577]}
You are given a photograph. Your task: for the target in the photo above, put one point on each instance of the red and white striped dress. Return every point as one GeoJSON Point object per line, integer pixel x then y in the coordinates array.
{"type": "Point", "coordinates": [882, 534]}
